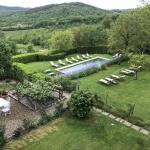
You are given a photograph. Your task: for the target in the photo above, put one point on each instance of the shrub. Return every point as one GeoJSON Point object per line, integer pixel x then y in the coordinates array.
{"type": "Point", "coordinates": [28, 125]}
{"type": "Point", "coordinates": [18, 132]}
{"type": "Point", "coordinates": [81, 103]}
{"type": "Point", "coordinates": [67, 84]}
{"type": "Point", "coordinates": [142, 60]}
{"type": "Point", "coordinates": [45, 118]}
{"type": "Point", "coordinates": [58, 110]}
{"type": "Point", "coordinates": [85, 73]}
{"type": "Point", "coordinates": [39, 90]}
{"type": "Point", "coordinates": [2, 138]}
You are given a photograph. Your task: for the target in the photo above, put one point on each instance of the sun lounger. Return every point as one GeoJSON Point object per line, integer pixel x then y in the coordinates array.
{"type": "Point", "coordinates": [75, 60]}
{"type": "Point", "coordinates": [104, 82]}
{"type": "Point", "coordinates": [53, 64]}
{"type": "Point", "coordinates": [48, 71]}
{"type": "Point", "coordinates": [85, 57]}
{"type": "Point", "coordinates": [61, 63]}
{"type": "Point", "coordinates": [135, 68]}
{"type": "Point", "coordinates": [79, 58]}
{"type": "Point", "coordinates": [130, 71]}
{"type": "Point", "coordinates": [90, 56]}
{"type": "Point", "coordinates": [126, 72]}
{"type": "Point", "coordinates": [69, 61]}
{"type": "Point", "coordinates": [118, 77]}
{"type": "Point", "coordinates": [51, 74]}
{"type": "Point", "coordinates": [111, 80]}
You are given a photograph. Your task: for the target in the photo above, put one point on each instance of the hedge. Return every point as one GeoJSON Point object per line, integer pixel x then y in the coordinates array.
{"type": "Point", "coordinates": [38, 56]}
{"type": "Point", "coordinates": [22, 71]}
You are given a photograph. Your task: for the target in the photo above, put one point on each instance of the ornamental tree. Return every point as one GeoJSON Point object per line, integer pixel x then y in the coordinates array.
{"type": "Point", "coordinates": [81, 103]}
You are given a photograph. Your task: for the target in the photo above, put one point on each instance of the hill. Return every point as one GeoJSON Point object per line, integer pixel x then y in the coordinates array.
{"type": "Point", "coordinates": [5, 10]}
{"type": "Point", "coordinates": [66, 13]}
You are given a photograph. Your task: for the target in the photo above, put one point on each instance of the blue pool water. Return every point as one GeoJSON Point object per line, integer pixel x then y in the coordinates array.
{"type": "Point", "coordinates": [77, 68]}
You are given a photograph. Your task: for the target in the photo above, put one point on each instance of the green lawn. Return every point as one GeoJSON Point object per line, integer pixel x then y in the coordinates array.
{"type": "Point", "coordinates": [43, 65]}
{"type": "Point", "coordinates": [92, 134]}
{"type": "Point", "coordinates": [129, 91]}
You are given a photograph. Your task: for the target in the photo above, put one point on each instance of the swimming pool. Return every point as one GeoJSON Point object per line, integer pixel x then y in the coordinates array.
{"type": "Point", "coordinates": [82, 66]}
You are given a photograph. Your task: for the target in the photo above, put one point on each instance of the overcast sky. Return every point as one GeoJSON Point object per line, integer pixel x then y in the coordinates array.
{"type": "Point", "coordinates": [105, 4]}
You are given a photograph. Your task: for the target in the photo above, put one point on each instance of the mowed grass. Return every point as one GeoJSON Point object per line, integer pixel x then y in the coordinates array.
{"type": "Point", "coordinates": [128, 91]}
{"type": "Point", "coordinates": [94, 133]}
{"type": "Point", "coordinates": [43, 65]}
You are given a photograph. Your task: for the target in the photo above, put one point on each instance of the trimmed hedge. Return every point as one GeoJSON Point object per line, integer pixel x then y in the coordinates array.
{"type": "Point", "coordinates": [38, 56]}
{"type": "Point", "coordinates": [22, 71]}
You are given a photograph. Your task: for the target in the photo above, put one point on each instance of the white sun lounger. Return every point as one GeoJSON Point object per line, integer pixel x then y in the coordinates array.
{"type": "Point", "coordinates": [111, 80]}
{"type": "Point", "coordinates": [130, 71]}
{"type": "Point", "coordinates": [90, 56]}
{"type": "Point", "coordinates": [61, 63]}
{"type": "Point", "coordinates": [69, 61]}
{"type": "Point", "coordinates": [51, 74]}
{"type": "Point", "coordinates": [53, 64]}
{"type": "Point", "coordinates": [126, 72]}
{"type": "Point", "coordinates": [134, 68]}
{"type": "Point", "coordinates": [85, 57]}
{"type": "Point", "coordinates": [75, 60]}
{"type": "Point", "coordinates": [79, 58]}
{"type": "Point", "coordinates": [104, 82]}
{"type": "Point", "coordinates": [118, 77]}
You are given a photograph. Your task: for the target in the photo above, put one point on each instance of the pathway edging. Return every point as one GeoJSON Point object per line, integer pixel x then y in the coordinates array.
{"type": "Point", "coordinates": [124, 122]}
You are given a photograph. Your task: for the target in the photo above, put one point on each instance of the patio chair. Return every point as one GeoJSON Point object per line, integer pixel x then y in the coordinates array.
{"type": "Point", "coordinates": [111, 80]}
{"type": "Point", "coordinates": [75, 60]}
{"type": "Point", "coordinates": [79, 58]}
{"type": "Point", "coordinates": [61, 63]}
{"type": "Point", "coordinates": [90, 56]}
{"type": "Point", "coordinates": [118, 77]}
{"type": "Point", "coordinates": [53, 64]}
{"type": "Point", "coordinates": [104, 82]}
{"type": "Point", "coordinates": [69, 61]}
{"type": "Point", "coordinates": [85, 57]}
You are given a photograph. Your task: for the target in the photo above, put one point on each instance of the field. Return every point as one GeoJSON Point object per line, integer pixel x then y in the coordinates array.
{"type": "Point", "coordinates": [129, 91]}
{"type": "Point", "coordinates": [68, 133]}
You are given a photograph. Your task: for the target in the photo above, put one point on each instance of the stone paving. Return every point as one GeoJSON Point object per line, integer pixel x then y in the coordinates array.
{"type": "Point", "coordinates": [124, 122]}
{"type": "Point", "coordinates": [19, 112]}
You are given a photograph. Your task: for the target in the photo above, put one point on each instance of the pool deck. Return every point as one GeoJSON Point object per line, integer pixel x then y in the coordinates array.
{"type": "Point", "coordinates": [80, 62]}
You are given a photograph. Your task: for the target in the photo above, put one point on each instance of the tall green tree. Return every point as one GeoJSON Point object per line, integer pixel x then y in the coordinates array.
{"type": "Point", "coordinates": [62, 40]}
{"type": "Point", "coordinates": [5, 59]}
{"type": "Point", "coordinates": [89, 36]}
{"type": "Point", "coordinates": [131, 31]}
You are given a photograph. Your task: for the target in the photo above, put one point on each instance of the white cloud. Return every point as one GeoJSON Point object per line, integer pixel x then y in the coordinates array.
{"type": "Point", "coordinates": [105, 4]}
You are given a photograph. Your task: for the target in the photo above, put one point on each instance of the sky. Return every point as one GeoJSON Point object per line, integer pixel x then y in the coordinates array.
{"type": "Point", "coordinates": [105, 4]}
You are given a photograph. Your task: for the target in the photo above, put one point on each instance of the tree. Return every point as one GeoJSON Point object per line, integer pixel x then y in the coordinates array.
{"type": "Point", "coordinates": [89, 36]}
{"type": "Point", "coordinates": [130, 32]}
{"type": "Point", "coordinates": [5, 59]}
{"type": "Point", "coordinates": [81, 103]}
{"type": "Point", "coordinates": [62, 40]}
